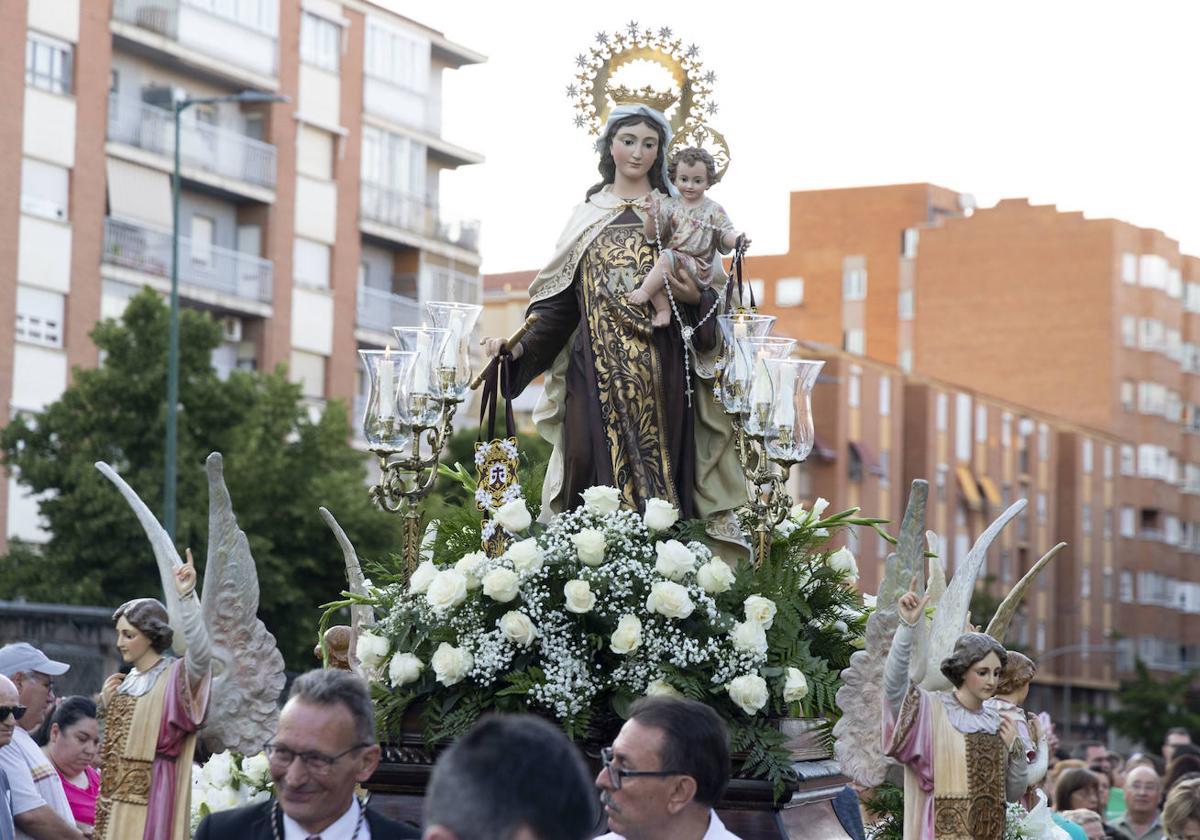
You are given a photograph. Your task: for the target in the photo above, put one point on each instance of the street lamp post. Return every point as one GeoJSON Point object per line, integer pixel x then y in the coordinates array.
{"type": "Point", "coordinates": [172, 435]}
{"type": "Point", "coordinates": [1058, 651]}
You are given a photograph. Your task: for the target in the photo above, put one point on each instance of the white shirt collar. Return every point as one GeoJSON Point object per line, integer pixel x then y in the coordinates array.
{"type": "Point", "coordinates": [342, 828]}
{"type": "Point", "coordinates": [717, 829]}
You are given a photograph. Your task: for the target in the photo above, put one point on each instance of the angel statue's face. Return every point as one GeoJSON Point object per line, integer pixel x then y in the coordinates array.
{"type": "Point", "coordinates": [635, 150]}
{"type": "Point", "coordinates": [132, 642]}
{"type": "Point", "coordinates": [982, 677]}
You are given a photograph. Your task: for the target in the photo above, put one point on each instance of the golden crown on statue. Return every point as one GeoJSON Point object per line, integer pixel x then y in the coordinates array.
{"type": "Point", "coordinates": [687, 104]}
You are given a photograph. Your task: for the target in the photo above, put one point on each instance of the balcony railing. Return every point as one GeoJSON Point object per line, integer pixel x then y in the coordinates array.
{"type": "Point", "coordinates": [203, 146]}
{"type": "Point", "coordinates": [438, 283]}
{"type": "Point", "coordinates": [220, 270]}
{"type": "Point", "coordinates": [380, 311]}
{"type": "Point", "coordinates": [414, 213]}
{"type": "Point", "coordinates": [242, 32]}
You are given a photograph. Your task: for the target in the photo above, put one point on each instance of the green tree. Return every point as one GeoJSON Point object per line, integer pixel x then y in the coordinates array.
{"type": "Point", "coordinates": [1148, 707]}
{"type": "Point", "coordinates": [280, 465]}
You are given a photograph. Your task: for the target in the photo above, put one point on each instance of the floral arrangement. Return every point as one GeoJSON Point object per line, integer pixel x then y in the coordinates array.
{"type": "Point", "coordinates": [229, 780]}
{"type": "Point", "coordinates": [580, 617]}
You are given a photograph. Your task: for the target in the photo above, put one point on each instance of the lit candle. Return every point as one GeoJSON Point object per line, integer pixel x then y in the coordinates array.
{"type": "Point", "coordinates": [421, 378]}
{"type": "Point", "coordinates": [387, 385]}
{"type": "Point", "coordinates": [785, 406]}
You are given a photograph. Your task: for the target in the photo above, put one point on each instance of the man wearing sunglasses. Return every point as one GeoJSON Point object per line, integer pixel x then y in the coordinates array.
{"type": "Point", "coordinates": [11, 711]}
{"type": "Point", "coordinates": [324, 746]}
{"type": "Point", "coordinates": [665, 773]}
{"type": "Point", "coordinates": [39, 804]}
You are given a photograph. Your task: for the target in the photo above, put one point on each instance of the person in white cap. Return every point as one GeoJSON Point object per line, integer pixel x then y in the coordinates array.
{"type": "Point", "coordinates": [39, 804]}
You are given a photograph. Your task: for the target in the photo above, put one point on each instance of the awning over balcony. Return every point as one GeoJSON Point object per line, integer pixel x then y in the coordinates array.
{"type": "Point", "coordinates": [867, 457]}
{"type": "Point", "coordinates": [990, 492]}
{"type": "Point", "coordinates": [970, 490]}
{"type": "Point", "coordinates": [137, 193]}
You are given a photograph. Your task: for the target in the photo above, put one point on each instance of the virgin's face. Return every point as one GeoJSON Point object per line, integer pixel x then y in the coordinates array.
{"type": "Point", "coordinates": [132, 642]}
{"type": "Point", "coordinates": [635, 150]}
{"type": "Point", "coordinates": [981, 678]}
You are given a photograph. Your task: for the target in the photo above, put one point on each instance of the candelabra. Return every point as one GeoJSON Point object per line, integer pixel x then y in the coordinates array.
{"type": "Point", "coordinates": [413, 396]}
{"type": "Point", "coordinates": [768, 398]}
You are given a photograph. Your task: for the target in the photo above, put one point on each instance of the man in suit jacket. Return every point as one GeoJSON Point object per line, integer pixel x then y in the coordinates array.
{"type": "Point", "coordinates": [324, 746]}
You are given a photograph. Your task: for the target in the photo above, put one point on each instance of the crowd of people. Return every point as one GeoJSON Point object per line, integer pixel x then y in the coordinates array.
{"type": "Point", "coordinates": [515, 777]}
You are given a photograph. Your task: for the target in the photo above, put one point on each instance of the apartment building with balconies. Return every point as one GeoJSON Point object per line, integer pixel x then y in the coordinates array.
{"type": "Point", "coordinates": [308, 227]}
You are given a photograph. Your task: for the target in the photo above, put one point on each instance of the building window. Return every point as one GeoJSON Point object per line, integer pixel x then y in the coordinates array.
{"type": "Point", "coordinates": [885, 396]}
{"type": "Point", "coordinates": [1191, 297]}
{"type": "Point", "coordinates": [1128, 398]}
{"type": "Point", "coordinates": [44, 189]}
{"type": "Point", "coordinates": [1174, 283]}
{"type": "Point", "coordinates": [854, 284]}
{"type": "Point", "coordinates": [1128, 460]}
{"type": "Point", "coordinates": [905, 360]}
{"type": "Point", "coordinates": [981, 424]}
{"type": "Point", "coordinates": [1085, 582]}
{"type": "Point", "coordinates": [885, 467]}
{"type": "Point", "coordinates": [941, 411]}
{"type": "Point", "coordinates": [1108, 584]}
{"type": "Point", "coordinates": [853, 390]}
{"type": "Point", "coordinates": [39, 316]}
{"type": "Point", "coordinates": [1043, 441]}
{"type": "Point", "coordinates": [1085, 519]}
{"type": "Point", "coordinates": [904, 305]}
{"type": "Point", "coordinates": [854, 341]}
{"type": "Point", "coordinates": [256, 14]}
{"type": "Point", "coordinates": [1086, 456]}
{"type": "Point", "coordinates": [1129, 266]}
{"type": "Point", "coordinates": [202, 240]}
{"type": "Point", "coordinates": [310, 263]}
{"type": "Point", "coordinates": [48, 63]}
{"type": "Point", "coordinates": [1129, 331]}
{"type": "Point", "coordinates": [397, 57]}
{"type": "Point", "coordinates": [1005, 430]}
{"type": "Point", "coordinates": [1152, 271]}
{"type": "Point", "coordinates": [962, 427]}
{"type": "Point", "coordinates": [789, 291]}
{"type": "Point", "coordinates": [1127, 587]}
{"type": "Point", "coordinates": [1041, 636]}
{"type": "Point", "coordinates": [1108, 524]}
{"type": "Point", "coordinates": [940, 482]}
{"type": "Point", "coordinates": [320, 41]}
{"type": "Point", "coordinates": [854, 464]}
{"type": "Point", "coordinates": [1041, 508]}
{"type": "Point", "coordinates": [908, 243]}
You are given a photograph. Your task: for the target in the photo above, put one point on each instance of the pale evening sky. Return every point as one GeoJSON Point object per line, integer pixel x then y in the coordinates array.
{"type": "Point", "coordinates": [1091, 106]}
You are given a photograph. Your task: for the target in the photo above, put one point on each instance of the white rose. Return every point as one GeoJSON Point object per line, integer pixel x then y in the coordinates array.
{"type": "Point", "coordinates": [628, 635]}
{"type": "Point", "coordinates": [451, 664]}
{"type": "Point", "coordinates": [660, 515]}
{"type": "Point", "coordinates": [661, 688]}
{"type": "Point", "coordinates": [602, 499]}
{"type": "Point", "coordinates": [371, 650]}
{"type": "Point", "coordinates": [869, 601]}
{"type": "Point", "coordinates": [257, 769]}
{"type": "Point", "coordinates": [818, 509]}
{"type": "Point", "coordinates": [785, 529]}
{"type": "Point", "coordinates": [501, 585]}
{"type": "Point", "coordinates": [469, 567]}
{"type": "Point", "coordinates": [221, 799]}
{"type": "Point", "coordinates": [760, 610]}
{"type": "Point", "coordinates": [715, 576]}
{"type": "Point", "coordinates": [675, 560]}
{"type": "Point", "coordinates": [842, 561]}
{"type": "Point", "coordinates": [580, 597]}
{"type": "Point", "coordinates": [840, 627]}
{"type": "Point", "coordinates": [669, 599]}
{"type": "Point", "coordinates": [517, 627]}
{"type": "Point", "coordinates": [749, 692]}
{"type": "Point", "coordinates": [525, 556]}
{"type": "Point", "coordinates": [749, 636]}
{"type": "Point", "coordinates": [218, 771]}
{"type": "Point", "coordinates": [447, 589]}
{"type": "Point", "coordinates": [798, 513]}
{"type": "Point", "coordinates": [404, 668]}
{"type": "Point", "coordinates": [590, 545]}
{"type": "Point", "coordinates": [513, 516]}
{"type": "Point", "coordinates": [261, 796]}
{"type": "Point", "coordinates": [795, 686]}
{"type": "Point", "coordinates": [419, 581]}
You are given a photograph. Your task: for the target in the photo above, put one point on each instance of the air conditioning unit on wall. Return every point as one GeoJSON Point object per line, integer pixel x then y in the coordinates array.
{"type": "Point", "coordinates": [231, 328]}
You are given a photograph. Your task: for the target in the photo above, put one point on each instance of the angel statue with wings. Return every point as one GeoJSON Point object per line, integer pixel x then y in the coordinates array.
{"type": "Point", "coordinates": [222, 688]}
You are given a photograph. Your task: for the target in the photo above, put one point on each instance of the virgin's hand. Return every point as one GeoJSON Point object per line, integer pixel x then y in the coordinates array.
{"type": "Point", "coordinates": [185, 575]}
{"type": "Point", "coordinates": [910, 606]}
{"type": "Point", "coordinates": [683, 286]}
{"type": "Point", "coordinates": [1008, 732]}
{"type": "Point", "coordinates": [110, 687]}
{"type": "Point", "coordinates": [493, 346]}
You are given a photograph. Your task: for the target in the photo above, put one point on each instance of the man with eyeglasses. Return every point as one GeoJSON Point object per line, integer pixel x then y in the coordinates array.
{"type": "Point", "coordinates": [1142, 819]}
{"type": "Point", "coordinates": [39, 804]}
{"type": "Point", "coordinates": [665, 773]}
{"type": "Point", "coordinates": [324, 746]}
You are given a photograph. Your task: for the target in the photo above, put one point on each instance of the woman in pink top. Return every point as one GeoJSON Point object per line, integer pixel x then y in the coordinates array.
{"type": "Point", "coordinates": [73, 746]}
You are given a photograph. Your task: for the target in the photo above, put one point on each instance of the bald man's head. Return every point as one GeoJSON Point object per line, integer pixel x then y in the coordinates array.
{"type": "Point", "coordinates": [1143, 790]}
{"type": "Point", "coordinates": [8, 697]}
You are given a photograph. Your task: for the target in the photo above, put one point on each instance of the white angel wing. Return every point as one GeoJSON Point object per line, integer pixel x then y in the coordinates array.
{"type": "Point", "coordinates": [858, 743]}
{"type": "Point", "coordinates": [954, 606]}
{"type": "Point", "coordinates": [360, 615]}
{"type": "Point", "coordinates": [247, 666]}
{"type": "Point", "coordinates": [164, 551]}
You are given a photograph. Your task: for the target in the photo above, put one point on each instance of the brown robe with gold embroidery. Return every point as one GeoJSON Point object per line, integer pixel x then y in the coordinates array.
{"type": "Point", "coordinates": [627, 422]}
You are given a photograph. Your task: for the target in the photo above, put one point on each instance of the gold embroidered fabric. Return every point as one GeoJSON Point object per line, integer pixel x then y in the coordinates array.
{"type": "Point", "coordinates": [117, 716]}
{"type": "Point", "coordinates": [980, 814]}
{"type": "Point", "coordinates": [628, 370]}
